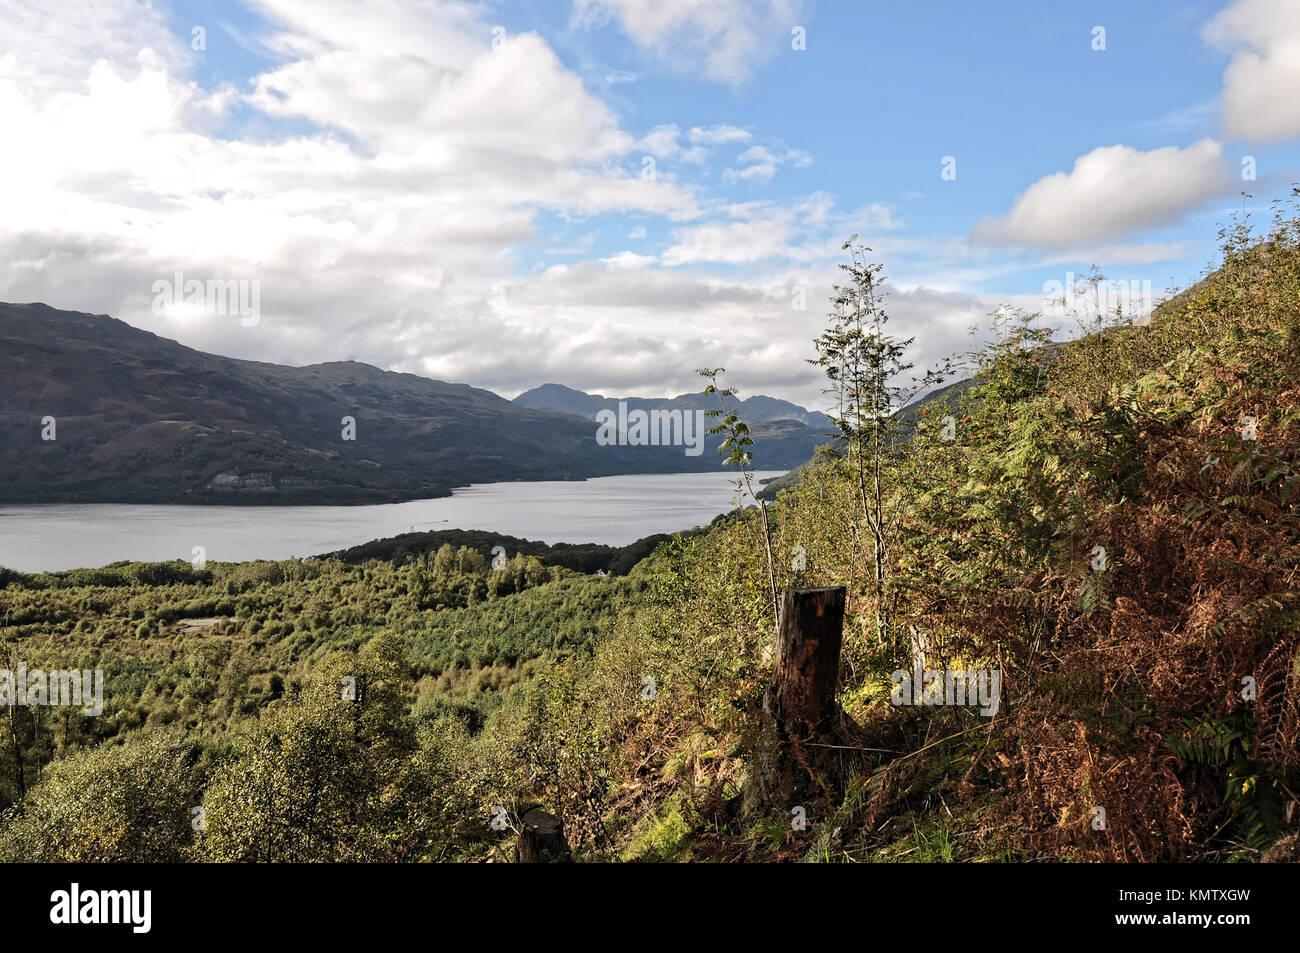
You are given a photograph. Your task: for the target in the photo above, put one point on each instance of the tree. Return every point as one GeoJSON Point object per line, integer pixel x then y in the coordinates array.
{"type": "Point", "coordinates": [864, 365]}
{"type": "Point", "coordinates": [736, 448]}
{"type": "Point", "coordinates": [330, 775]}
{"type": "Point", "coordinates": [129, 803]}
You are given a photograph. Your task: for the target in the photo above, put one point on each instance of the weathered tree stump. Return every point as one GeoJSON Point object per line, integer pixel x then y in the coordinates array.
{"type": "Point", "coordinates": [541, 839]}
{"type": "Point", "coordinates": [801, 696]}
{"type": "Point", "coordinates": [800, 746]}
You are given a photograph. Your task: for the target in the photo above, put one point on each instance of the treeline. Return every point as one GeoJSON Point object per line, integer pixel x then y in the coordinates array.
{"type": "Point", "coordinates": [580, 557]}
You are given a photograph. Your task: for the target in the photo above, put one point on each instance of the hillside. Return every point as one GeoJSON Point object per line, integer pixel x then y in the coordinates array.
{"type": "Point", "coordinates": [139, 418]}
{"type": "Point", "coordinates": [1113, 531]}
{"type": "Point", "coordinates": [905, 418]}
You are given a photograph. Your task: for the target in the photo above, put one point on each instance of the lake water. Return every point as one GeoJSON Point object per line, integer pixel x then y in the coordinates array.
{"type": "Point", "coordinates": [611, 510]}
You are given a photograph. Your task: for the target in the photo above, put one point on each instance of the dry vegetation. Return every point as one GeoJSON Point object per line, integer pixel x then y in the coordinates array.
{"type": "Point", "coordinates": [1125, 687]}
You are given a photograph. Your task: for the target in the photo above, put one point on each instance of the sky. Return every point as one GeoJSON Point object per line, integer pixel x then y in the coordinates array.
{"type": "Point", "coordinates": [610, 194]}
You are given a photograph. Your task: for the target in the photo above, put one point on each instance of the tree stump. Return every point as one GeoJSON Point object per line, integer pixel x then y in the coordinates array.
{"type": "Point", "coordinates": [541, 839]}
{"type": "Point", "coordinates": [801, 696]}
{"type": "Point", "coordinates": [800, 706]}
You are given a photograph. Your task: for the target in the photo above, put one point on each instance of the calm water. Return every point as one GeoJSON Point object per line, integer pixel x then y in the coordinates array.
{"type": "Point", "coordinates": [610, 510]}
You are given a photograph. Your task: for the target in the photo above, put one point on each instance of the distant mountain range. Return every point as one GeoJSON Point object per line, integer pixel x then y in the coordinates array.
{"type": "Point", "coordinates": [559, 399]}
{"type": "Point", "coordinates": [785, 434]}
{"type": "Point", "coordinates": [95, 410]}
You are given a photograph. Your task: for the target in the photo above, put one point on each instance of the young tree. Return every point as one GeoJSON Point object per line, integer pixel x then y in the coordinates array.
{"type": "Point", "coordinates": [736, 448]}
{"type": "Point", "coordinates": [864, 365]}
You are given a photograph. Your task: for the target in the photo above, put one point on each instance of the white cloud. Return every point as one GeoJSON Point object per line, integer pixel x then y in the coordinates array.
{"type": "Point", "coordinates": [759, 164]}
{"type": "Point", "coordinates": [603, 323]}
{"type": "Point", "coordinates": [404, 102]}
{"type": "Point", "coordinates": [808, 231]}
{"type": "Point", "coordinates": [628, 259]}
{"type": "Point", "coordinates": [662, 142]}
{"type": "Point", "coordinates": [1261, 86]}
{"type": "Point", "coordinates": [666, 141]}
{"type": "Point", "coordinates": [719, 135]}
{"type": "Point", "coordinates": [756, 164]}
{"type": "Point", "coordinates": [392, 224]}
{"type": "Point", "coordinates": [1112, 191]}
{"type": "Point", "coordinates": [447, 32]}
{"type": "Point", "coordinates": [733, 243]}
{"type": "Point", "coordinates": [51, 49]}
{"type": "Point", "coordinates": [723, 40]}
{"type": "Point", "coordinates": [385, 243]}
{"type": "Point", "coordinates": [1145, 253]}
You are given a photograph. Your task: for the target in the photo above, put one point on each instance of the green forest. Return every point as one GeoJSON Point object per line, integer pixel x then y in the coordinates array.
{"type": "Point", "coordinates": [1106, 516]}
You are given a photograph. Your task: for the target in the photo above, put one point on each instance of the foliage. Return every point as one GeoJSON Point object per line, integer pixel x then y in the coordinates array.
{"type": "Point", "coordinates": [1099, 528]}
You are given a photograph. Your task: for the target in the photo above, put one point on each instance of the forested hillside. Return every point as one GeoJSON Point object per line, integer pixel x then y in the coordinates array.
{"type": "Point", "coordinates": [1109, 525]}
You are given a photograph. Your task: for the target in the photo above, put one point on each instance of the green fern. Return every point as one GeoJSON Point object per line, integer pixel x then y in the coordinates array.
{"type": "Point", "coordinates": [1222, 745]}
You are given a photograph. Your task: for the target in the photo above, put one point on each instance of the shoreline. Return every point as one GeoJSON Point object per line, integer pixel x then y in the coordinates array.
{"type": "Point", "coordinates": [59, 537]}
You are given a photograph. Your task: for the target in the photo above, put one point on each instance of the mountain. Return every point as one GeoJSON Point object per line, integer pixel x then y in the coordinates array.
{"type": "Point", "coordinates": [139, 418]}
{"type": "Point", "coordinates": [559, 399]}
{"type": "Point", "coordinates": [785, 434]}
{"type": "Point", "coordinates": [906, 416]}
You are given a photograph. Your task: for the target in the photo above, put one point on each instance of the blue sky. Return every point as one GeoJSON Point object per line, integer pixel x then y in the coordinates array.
{"type": "Point", "coordinates": [462, 190]}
